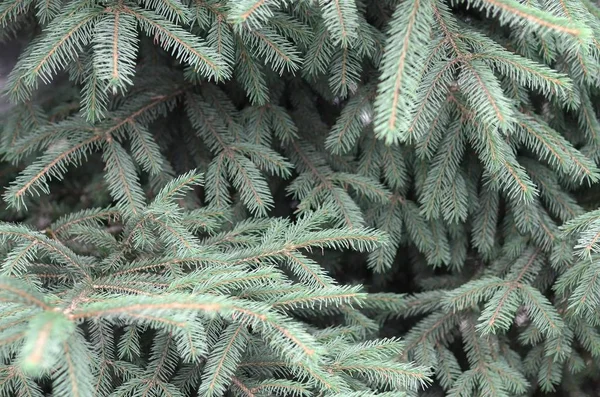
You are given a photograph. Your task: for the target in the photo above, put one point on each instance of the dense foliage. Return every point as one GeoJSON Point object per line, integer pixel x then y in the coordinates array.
{"type": "Point", "coordinates": [344, 198]}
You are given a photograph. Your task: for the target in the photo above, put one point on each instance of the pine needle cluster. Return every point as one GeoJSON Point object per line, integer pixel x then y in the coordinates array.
{"type": "Point", "coordinates": [333, 198]}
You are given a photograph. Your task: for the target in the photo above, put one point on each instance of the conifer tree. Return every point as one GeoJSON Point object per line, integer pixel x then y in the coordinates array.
{"type": "Point", "coordinates": [336, 198]}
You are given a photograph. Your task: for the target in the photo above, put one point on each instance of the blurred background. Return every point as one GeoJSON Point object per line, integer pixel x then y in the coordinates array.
{"type": "Point", "coordinates": [9, 52]}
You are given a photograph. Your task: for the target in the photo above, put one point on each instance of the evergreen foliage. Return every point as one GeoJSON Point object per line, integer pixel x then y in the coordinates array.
{"type": "Point", "coordinates": [344, 198]}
